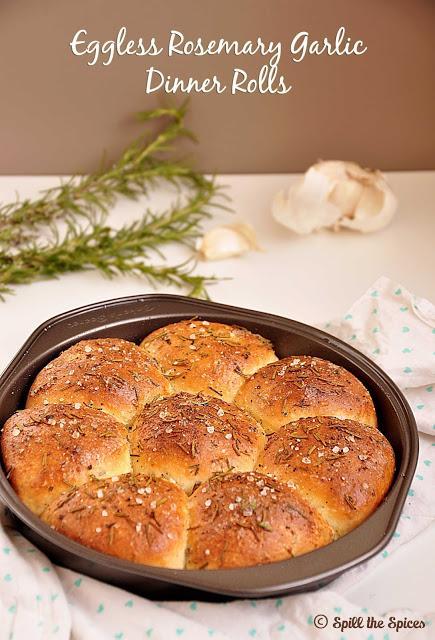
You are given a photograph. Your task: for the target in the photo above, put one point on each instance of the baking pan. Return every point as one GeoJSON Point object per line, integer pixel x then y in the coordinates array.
{"type": "Point", "coordinates": [134, 317]}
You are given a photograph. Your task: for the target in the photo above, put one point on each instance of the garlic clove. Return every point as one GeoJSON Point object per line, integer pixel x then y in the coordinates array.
{"type": "Point", "coordinates": [306, 208]}
{"type": "Point", "coordinates": [335, 194]}
{"type": "Point", "coordinates": [375, 210]}
{"type": "Point", "coordinates": [227, 241]}
{"type": "Point", "coordinates": [345, 195]}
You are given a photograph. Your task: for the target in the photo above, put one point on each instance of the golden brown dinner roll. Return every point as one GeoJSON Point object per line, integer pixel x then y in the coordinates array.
{"type": "Point", "coordinates": [208, 357]}
{"type": "Point", "coordinates": [342, 468]}
{"type": "Point", "coordinates": [137, 518]}
{"type": "Point", "coordinates": [108, 373]}
{"type": "Point", "coordinates": [304, 387]}
{"type": "Point", "coordinates": [187, 438]}
{"type": "Point", "coordinates": [47, 450]}
{"type": "Point", "coordinates": [245, 519]}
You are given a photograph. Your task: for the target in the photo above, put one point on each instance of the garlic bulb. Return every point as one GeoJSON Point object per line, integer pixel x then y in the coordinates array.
{"type": "Point", "coordinates": [227, 241]}
{"type": "Point", "coordinates": [335, 194]}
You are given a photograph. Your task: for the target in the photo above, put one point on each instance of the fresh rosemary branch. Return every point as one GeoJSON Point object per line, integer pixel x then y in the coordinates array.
{"type": "Point", "coordinates": [32, 247]}
{"type": "Point", "coordinates": [117, 251]}
{"type": "Point", "coordinates": [130, 176]}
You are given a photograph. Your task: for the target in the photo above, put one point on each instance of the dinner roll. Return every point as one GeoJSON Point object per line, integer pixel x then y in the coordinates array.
{"type": "Point", "coordinates": [187, 438]}
{"type": "Point", "coordinates": [305, 387]}
{"type": "Point", "coordinates": [208, 357]}
{"type": "Point", "coordinates": [47, 450]}
{"type": "Point", "coordinates": [342, 468]}
{"type": "Point", "coordinates": [136, 518]}
{"type": "Point", "coordinates": [108, 373]}
{"type": "Point", "coordinates": [244, 519]}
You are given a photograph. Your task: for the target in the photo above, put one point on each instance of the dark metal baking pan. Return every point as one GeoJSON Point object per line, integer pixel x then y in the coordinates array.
{"type": "Point", "coordinates": [134, 317]}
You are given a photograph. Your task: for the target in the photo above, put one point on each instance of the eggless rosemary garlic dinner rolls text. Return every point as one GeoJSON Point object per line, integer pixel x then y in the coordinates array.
{"type": "Point", "coordinates": [108, 373]}
{"type": "Point", "coordinates": [304, 387]}
{"type": "Point", "coordinates": [208, 357]}
{"type": "Point", "coordinates": [188, 438]}
{"type": "Point", "coordinates": [48, 450]}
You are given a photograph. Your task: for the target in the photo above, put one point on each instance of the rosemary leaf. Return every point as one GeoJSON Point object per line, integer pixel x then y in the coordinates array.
{"type": "Point", "coordinates": [32, 247]}
{"type": "Point", "coordinates": [115, 251]}
{"type": "Point", "coordinates": [87, 196]}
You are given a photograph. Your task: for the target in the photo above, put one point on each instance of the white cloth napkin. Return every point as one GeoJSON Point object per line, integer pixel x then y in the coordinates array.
{"type": "Point", "coordinates": [40, 601]}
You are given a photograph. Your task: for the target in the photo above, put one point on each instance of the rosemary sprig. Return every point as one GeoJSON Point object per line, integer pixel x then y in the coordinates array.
{"type": "Point", "coordinates": [32, 247]}
{"type": "Point", "coordinates": [117, 251]}
{"type": "Point", "coordinates": [131, 176]}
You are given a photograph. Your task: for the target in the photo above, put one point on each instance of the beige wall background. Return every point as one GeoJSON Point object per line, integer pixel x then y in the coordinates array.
{"type": "Point", "coordinates": [57, 114]}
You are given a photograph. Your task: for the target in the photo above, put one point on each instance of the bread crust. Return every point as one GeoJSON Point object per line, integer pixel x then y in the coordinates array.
{"type": "Point", "coordinates": [133, 517]}
{"type": "Point", "coordinates": [48, 450]}
{"type": "Point", "coordinates": [110, 374]}
{"type": "Point", "coordinates": [198, 356]}
{"type": "Point", "coordinates": [189, 437]}
{"type": "Point", "coordinates": [240, 520]}
{"type": "Point", "coordinates": [302, 387]}
{"type": "Point", "coordinates": [342, 468]}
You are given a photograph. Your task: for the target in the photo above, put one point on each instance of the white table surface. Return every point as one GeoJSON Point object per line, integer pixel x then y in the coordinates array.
{"type": "Point", "coordinates": [311, 279]}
